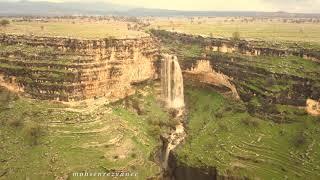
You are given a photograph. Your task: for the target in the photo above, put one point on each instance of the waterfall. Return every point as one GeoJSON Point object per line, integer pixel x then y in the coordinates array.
{"type": "Point", "coordinates": [172, 82]}
{"type": "Point", "coordinates": [173, 97]}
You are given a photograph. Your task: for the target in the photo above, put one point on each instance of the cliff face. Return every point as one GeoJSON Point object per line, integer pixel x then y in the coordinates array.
{"type": "Point", "coordinates": [249, 48]}
{"type": "Point", "coordinates": [203, 72]}
{"type": "Point", "coordinates": [181, 171]}
{"type": "Point", "coordinates": [274, 73]}
{"type": "Point", "coordinates": [66, 69]}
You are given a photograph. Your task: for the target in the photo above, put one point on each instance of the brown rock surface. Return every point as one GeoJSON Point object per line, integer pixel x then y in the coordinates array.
{"type": "Point", "coordinates": [66, 69]}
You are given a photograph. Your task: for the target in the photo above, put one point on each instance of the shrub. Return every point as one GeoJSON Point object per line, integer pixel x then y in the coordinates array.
{"type": "Point", "coordinates": [299, 140]}
{"type": "Point", "coordinates": [153, 121]}
{"type": "Point", "coordinates": [33, 132]}
{"type": "Point", "coordinates": [236, 36]}
{"type": "Point", "coordinates": [219, 113]}
{"type": "Point", "coordinates": [155, 131]}
{"type": "Point", "coordinates": [173, 123]}
{"type": "Point", "coordinates": [134, 155]}
{"type": "Point", "coordinates": [15, 122]}
{"type": "Point", "coordinates": [252, 122]}
{"type": "Point", "coordinates": [223, 126]}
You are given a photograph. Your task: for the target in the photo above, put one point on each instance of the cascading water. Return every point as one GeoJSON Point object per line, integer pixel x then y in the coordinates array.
{"type": "Point", "coordinates": [172, 82]}
{"type": "Point", "coordinates": [172, 95]}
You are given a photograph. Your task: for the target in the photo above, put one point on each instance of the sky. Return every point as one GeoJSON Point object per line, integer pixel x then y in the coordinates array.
{"type": "Point", "coordinates": [306, 6]}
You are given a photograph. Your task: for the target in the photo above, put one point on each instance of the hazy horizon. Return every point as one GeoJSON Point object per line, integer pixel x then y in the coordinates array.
{"type": "Point", "coordinates": [292, 6]}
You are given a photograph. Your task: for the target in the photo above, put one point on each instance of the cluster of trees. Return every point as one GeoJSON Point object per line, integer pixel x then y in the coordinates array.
{"type": "Point", "coordinates": [137, 26]}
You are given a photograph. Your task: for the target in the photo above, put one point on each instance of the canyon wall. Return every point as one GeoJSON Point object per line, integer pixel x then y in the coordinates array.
{"type": "Point", "coordinates": [254, 48]}
{"type": "Point", "coordinates": [203, 72]}
{"type": "Point", "coordinates": [251, 48]}
{"type": "Point", "coordinates": [66, 69]}
{"type": "Point", "coordinates": [182, 171]}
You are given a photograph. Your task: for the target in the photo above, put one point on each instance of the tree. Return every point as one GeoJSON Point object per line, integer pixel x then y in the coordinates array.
{"type": "Point", "coordinates": [4, 22]}
{"type": "Point", "coordinates": [236, 36]}
{"type": "Point", "coordinates": [129, 26]}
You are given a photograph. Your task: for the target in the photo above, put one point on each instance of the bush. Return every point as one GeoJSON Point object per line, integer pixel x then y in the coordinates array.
{"type": "Point", "coordinates": [15, 122]}
{"type": "Point", "coordinates": [299, 140]}
{"type": "Point", "coordinates": [250, 122]}
{"type": "Point", "coordinates": [4, 22]}
{"type": "Point", "coordinates": [134, 155]}
{"type": "Point", "coordinates": [173, 123]}
{"type": "Point", "coordinates": [223, 126]}
{"type": "Point", "coordinates": [236, 36]}
{"type": "Point", "coordinates": [155, 131]}
{"type": "Point", "coordinates": [33, 132]}
{"type": "Point", "coordinates": [153, 121]}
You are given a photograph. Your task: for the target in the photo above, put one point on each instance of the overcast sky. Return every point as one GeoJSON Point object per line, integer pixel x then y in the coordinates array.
{"type": "Point", "coordinates": [308, 6]}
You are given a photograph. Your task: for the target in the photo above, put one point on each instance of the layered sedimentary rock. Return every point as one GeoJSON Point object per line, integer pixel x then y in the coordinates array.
{"type": "Point", "coordinates": [172, 82]}
{"type": "Point", "coordinates": [289, 80]}
{"type": "Point", "coordinates": [203, 72]}
{"type": "Point", "coordinates": [67, 69]}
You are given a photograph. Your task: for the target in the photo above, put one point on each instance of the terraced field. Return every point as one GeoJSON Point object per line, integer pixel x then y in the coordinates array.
{"type": "Point", "coordinates": [46, 140]}
{"type": "Point", "coordinates": [222, 134]}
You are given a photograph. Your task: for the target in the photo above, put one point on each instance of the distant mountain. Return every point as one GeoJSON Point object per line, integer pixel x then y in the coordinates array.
{"type": "Point", "coordinates": [57, 9]}
{"type": "Point", "coordinates": [163, 12]}
{"type": "Point", "coordinates": [33, 8]}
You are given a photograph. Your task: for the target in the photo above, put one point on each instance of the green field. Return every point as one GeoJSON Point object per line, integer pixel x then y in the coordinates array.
{"type": "Point", "coordinates": [75, 29]}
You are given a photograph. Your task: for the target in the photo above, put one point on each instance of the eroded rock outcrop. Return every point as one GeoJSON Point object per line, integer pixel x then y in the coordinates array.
{"type": "Point", "coordinates": [66, 69]}
{"type": "Point", "coordinates": [203, 72]}
{"type": "Point", "coordinates": [313, 107]}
